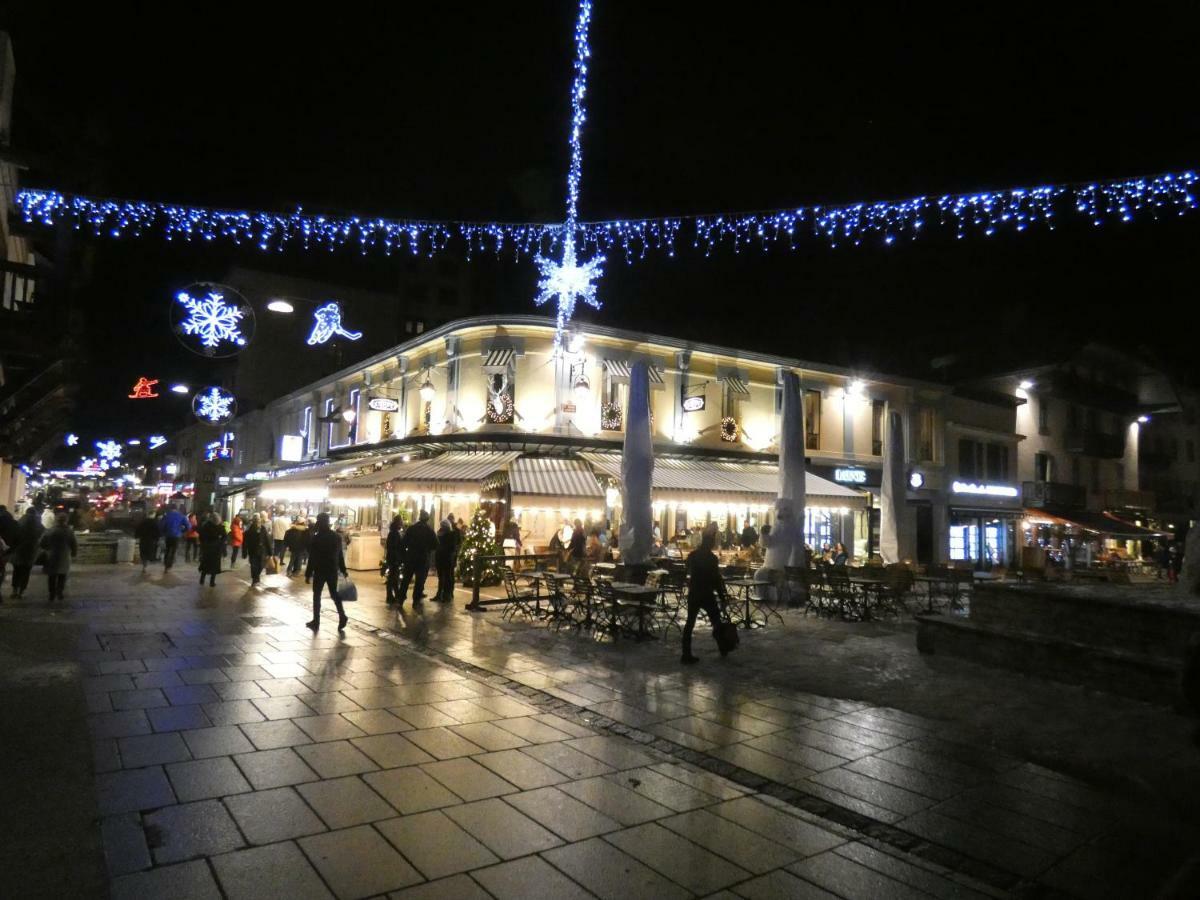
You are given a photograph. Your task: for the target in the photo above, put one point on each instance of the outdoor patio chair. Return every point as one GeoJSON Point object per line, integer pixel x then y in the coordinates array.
{"type": "Point", "coordinates": [520, 600]}
{"type": "Point", "coordinates": [799, 585]}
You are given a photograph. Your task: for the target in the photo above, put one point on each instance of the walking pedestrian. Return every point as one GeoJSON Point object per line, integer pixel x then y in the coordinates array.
{"type": "Point", "coordinates": [28, 541]}
{"type": "Point", "coordinates": [577, 547]}
{"type": "Point", "coordinates": [61, 547]}
{"type": "Point", "coordinates": [279, 529]}
{"type": "Point", "coordinates": [704, 584]}
{"type": "Point", "coordinates": [211, 538]}
{"type": "Point", "coordinates": [10, 534]}
{"type": "Point", "coordinates": [236, 536]}
{"type": "Point", "coordinates": [255, 541]}
{"type": "Point", "coordinates": [191, 538]}
{"type": "Point", "coordinates": [174, 526]}
{"type": "Point", "coordinates": [419, 543]}
{"type": "Point", "coordinates": [147, 533]}
{"type": "Point", "coordinates": [394, 559]}
{"type": "Point", "coordinates": [296, 539]}
{"type": "Point", "coordinates": [444, 559]}
{"type": "Point", "coordinates": [325, 560]}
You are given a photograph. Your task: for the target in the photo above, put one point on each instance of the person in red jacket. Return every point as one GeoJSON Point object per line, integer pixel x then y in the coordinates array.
{"type": "Point", "coordinates": [191, 539]}
{"type": "Point", "coordinates": [236, 535]}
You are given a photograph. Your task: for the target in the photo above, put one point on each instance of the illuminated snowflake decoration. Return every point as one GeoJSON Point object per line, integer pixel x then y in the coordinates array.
{"type": "Point", "coordinates": [212, 319]}
{"type": "Point", "coordinates": [213, 405]}
{"type": "Point", "coordinates": [72, 440]}
{"type": "Point", "coordinates": [110, 451]}
{"type": "Point", "coordinates": [568, 283]}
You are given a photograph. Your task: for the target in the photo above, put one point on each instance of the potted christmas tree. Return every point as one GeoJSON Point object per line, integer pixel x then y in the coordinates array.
{"type": "Point", "coordinates": [480, 540]}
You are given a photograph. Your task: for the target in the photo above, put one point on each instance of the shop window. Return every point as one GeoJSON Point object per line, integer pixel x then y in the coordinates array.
{"type": "Point", "coordinates": [812, 420]}
{"type": "Point", "coordinates": [925, 434]}
{"type": "Point", "coordinates": [878, 408]}
{"type": "Point", "coordinates": [1043, 467]}
{"type": "Point", "coordinates": [818, 528]}
{"type": "Point", "coordinates": [1043, 410]}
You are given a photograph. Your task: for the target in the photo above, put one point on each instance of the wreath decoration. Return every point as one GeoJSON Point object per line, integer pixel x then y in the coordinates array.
{"type": "Point", "coordinates": [500, 402]}
{"type": "Point", "coordinates": [610, 417]}
{"type": "Point", "coordinates": [729, 429]}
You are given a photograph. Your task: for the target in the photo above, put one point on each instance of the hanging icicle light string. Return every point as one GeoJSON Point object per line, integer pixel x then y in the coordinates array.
{"type": "Point", "coordinates": [985, 213]}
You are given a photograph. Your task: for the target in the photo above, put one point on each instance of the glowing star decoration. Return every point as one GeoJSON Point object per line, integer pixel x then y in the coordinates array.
{"type": "Point", "coordinates": [143, 389]}
{"type": "Point", "coordinates": [72, 440]}
{"type": "Point", "coordinates": [328, 324]}
{"type": "Point", "coordinates": [567, 281]}
{"type": "Point", "coordinates": [213, 404]}
{"type": "Point", "coordinates": [156, 441]}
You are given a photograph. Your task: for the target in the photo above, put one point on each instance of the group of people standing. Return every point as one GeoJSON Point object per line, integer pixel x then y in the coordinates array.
{"type": "Point", "coordinates": [408, 552]}
{"type": "Point", "coordinates": [27, 542]}
{"type": "Point", "coordinates": [580, 548]}
{"type": "Point", "coordinates": [211, 539]}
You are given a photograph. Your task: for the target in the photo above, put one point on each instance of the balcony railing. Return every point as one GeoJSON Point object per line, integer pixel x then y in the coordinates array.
{"type": "Point", "coordinates": [1095, 443]}
{"type": "Point", "coordinates": [1042, 494]}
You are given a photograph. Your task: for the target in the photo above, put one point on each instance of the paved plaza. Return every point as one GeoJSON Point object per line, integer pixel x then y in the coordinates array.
{"type": "Point", "coordinates": [198, 742]}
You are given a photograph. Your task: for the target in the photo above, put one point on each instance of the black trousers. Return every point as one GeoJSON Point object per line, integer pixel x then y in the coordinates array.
{"type": "Point", "coordinates": [297, 562]}
{"type": "Point", "coordinates": [417, 573]}
{"type": "Point", "coordinates": [393, 584]}
{"type": "Point", "coordinates": [190, 549]}
{"type": "Point", "coordinates": [170, 546]}
{"type": "Point", "coordinates": [147, 548]}
{"type": "Point", "coordinates": [319, 582]}
{"type": "Point", "coordinates": [256, 566]}
{"type": "Point", "coordinates": [56, 583]}
{"type": "Point", "coordinates": [711, 609]}
{"type": "Point", "coordinates": [445, 576]}
{"type": "Point", "coordinates": [21, 578]}
{"type": "Point", "coordinates": [233, 555]}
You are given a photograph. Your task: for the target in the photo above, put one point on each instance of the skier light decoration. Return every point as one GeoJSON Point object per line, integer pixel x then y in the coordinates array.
{"type": "Point", "coordinates": [567, 281]}
{"type": "Point", "coordinates": [328, 324]}
{"type": "Point", "coordinates": [143, 389]}
{"type": "Point", "coordinates": [212, 320]}
{"type": "Point", "coordinates": [214, 405]}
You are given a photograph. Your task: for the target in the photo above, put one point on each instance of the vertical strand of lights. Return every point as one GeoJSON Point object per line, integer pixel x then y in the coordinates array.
{"type": "Point", "coordinates": [567, 281]}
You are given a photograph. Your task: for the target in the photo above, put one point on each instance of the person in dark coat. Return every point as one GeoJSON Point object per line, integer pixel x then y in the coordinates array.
{"type": "Point", "coordinates": [447, 542]}
{"type": "Point", "coordinates": [28, 541]}
{"type": "Point", "coordinates": [394, 558]}
{"type": "Point", "coordinates": [255, 541]}
{"type": "Point", "coordinates": [296, 540]}
{"type": "Point", "coordinates": [325, 560]}
{"type": "Point", "coordinates": [419, 542]}
{"type": "Point", "coordinates": [10, 534]}
{"type": "Point", "coordinates": [704, 584]}
{"type": "Point", "coordinates": [749, 537]}
{"type": "Point", "coordinates": [212, 548]}
{"type": "Point", "coordinates": [147, 536]}
{"type": "Point", "coordinates": [577, 549]}
{"type": "Point", "coordinates": [61, 547]}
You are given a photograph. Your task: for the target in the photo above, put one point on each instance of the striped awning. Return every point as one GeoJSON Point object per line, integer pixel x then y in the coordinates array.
{"type": "Point", "coordinates": [549, 476]}
{"type": "Point", "coordinates": [499, 358]}
{"type": "Point", "coordinates": [736, 385]}
{"type": "Point", "coordinates": [730, 482]}
{"type": "Point", "coordinates": [453, 472]}
{"type": "Point", "coordinates": [619, 368]}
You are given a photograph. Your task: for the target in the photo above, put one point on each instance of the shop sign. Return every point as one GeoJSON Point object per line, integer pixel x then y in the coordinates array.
{"type": "Point", "coordinates": [383, 404]}
{"type": "Point", "coordinates": [291, 448]}
{"type": "Point", "coordinates": [985, 490]}
{"type": "Point", "coordinates": [850, 476]}
{"type": "Point", "coordinates": [693, 404]}
{"type": "Point", "coordinates": [569, 407]}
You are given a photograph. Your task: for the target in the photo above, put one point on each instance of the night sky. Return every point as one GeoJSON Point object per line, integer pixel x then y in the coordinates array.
{"type": "Point", "coordinates": [460, 110]}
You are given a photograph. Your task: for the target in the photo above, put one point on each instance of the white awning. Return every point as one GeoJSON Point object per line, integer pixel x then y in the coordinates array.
{"type": "Point", "coordinates": [453, 472]}
{"type": "Point", "coordinates": [721, 481]}
{"type": "Point", "coordinates": [619, 368]}
{"type": "Point", "coordinates": [553, 477]}
{"type": "Point", "coordinates": [499, 358]}
{"type": "Point", "coordinates": [306, 485]}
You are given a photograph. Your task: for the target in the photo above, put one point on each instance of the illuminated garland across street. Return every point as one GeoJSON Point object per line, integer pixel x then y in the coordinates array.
{"type": "Point", "coordinates": [885, 222]}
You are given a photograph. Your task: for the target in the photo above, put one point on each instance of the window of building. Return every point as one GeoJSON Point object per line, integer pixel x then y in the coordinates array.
{"type": "Point", "coordinates": [997, 462]}
{"type": "Point", "coordinates": [1043, 467]}
{"type": "Point", "coordinates": [970, 458]}
{"type": "Point", "coordinates": [877, 411]}
{"type": "Point", "coordinates": [306, 429]}
{"type": "Point", "coordinates": [329, 423]}
{"type": "Point", "coordinates": [1043, 413]}
{"type": "Point", "coordinates": [812, 420]}
{"type": "Point", "coordinates": [925, 434]}
{"type": "Point", "coordinates": [352, 431]}
{"type": "Point", "coordinates": [420, 326]}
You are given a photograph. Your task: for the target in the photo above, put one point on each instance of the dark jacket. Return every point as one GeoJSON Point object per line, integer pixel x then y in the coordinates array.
{"type": "Point", "coordinates": [704, 576]}
{"type": "Point", "coordinates": [10, 533]}
{"type": "Point", "coordinates": [749, 537]}
{"type": "Point", "coordinates": [394, 551]}
{"type": "Point", "coordinates": [419, 542]}
{"type": "Point", "coordinates": [61, 547]}
{"type": "Point", "coordinates": [447, 543]}
{"type": "Point", "coordinates": [578, 543]}
{"type": "Point", "coordinates": [212, 547]}
{"type": "Point", "coordinates": [147, 531]}
{"type": "Point", "coordinates": [255, 541]}
{"type": "Point", "coordinates": [28, 541]}
{"type": "Point", "coordinates": [325, 556]}
{"type": "Point", "coordinates": [296, 539]}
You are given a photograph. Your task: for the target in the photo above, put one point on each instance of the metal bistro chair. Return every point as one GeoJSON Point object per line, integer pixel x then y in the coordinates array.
{"type": "Point", "coordinates": [604, 608]}
{"type": "Point", "coordinates": [519, 600]}
{"type": "Point", "coordinates": [635, 617]}
{"type": "Point", "coordinates": [672, 604]}
{"type": "Point", "coordinates": [558, 604]}
{"type": "Point", "coordinates": [895, 594]}
{"type": "Point", "coordinates": [798, 580]}
{"type": "Point", "coordinates": [581, 599]}
{"type": "Point", "coordinates": [766, 598]}
{"type": "Point", "coordinates": [841, 594]}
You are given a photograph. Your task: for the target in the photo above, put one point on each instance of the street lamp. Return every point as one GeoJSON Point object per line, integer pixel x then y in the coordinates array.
{"type": "Point", "coordinates": [427, 390]}
{"type": "Point", "coordinates": [279, 305]}
{"type": "Point", "coordinates": [180, 389]}
{"type": "Point", "coordinates": [349, 414]}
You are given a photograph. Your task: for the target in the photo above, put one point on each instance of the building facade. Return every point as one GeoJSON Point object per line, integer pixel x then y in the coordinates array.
{"type": "Point", "coordinates": [488, 411]}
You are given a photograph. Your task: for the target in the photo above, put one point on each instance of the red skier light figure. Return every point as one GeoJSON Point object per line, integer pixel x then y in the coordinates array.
{"type": "Point", "coordinates": [143, 389]}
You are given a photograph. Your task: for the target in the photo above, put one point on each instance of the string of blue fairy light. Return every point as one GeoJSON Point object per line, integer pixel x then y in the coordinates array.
{"type": "Point", "coordinates": [885, 222]}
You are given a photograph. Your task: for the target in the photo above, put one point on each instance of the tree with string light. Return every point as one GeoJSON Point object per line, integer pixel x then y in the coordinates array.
{"type": "Point", "coordinates": [480, 540]}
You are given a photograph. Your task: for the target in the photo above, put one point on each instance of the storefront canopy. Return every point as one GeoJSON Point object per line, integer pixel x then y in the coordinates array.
{"type": "Point", "coordinates": [309, 485]}
{"type": "Point", "coordinates": [1099, 523]}
{"type": "Point", "coordinates": [717, 481]}
{"type": "Point", "coordinates": [453, 472]}
{"type": "Point", "coordinates": [554, 483]}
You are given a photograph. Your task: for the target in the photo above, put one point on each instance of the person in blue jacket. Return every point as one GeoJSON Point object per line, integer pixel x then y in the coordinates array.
{"type": "Point", "coordinates": [174, 526]}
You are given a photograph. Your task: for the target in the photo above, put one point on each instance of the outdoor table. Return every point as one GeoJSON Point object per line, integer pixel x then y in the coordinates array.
{"type": "Point", "coordinates": [554, 584]}
{"type": "Point", "coordinates": [745, 586]}
{"type": "Point", "coordinates": [639, 593]}
{"type": "Point", "coordinates": [869, 587]}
